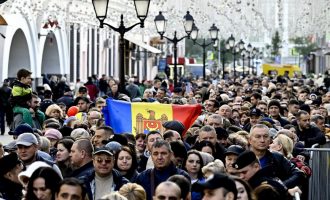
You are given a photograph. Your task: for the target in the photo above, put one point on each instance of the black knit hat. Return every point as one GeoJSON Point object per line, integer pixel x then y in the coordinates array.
{"type": "Point", "coordinates": [274, 103]}
{"type": "Point", "coordinates": [244, 159]}
{"type": "Point", "coordinates": [7, 163]}
{"type": "Point", "coordinates": [174, 125]}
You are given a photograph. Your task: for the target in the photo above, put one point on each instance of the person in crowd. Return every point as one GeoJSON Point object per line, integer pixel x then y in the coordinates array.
{"type": "Point", "coordinates": [249, 169]}
{"type": "Point", "coordinates": [244, 190]}
{"type": "Point", "coordinates": [133, 191]}
{"type": "Point", "coordinates": [132, 89]}
{"type": "Point", "coordinates": [140, 145]}
{"type": "Point", "coordinates": [83, 104]}
{"type": "Point", "coordinates": [104, 179]}
{"type": "Point", "coordinates": [27, 150]}
{"type": "Point", "coordinates": [274, 107]}
{"type": "Point", "coordinates": [126, 163]}
{"type": "Point", "coordinates": [231, 155]}
{"type": "Point", "coordinates": [259, 141]}
{"type": "Point", "coordinates": [193, 166]}
{"type": "Point", "coordinates": [63, 156]}
{"type": "Point", "coordinates": [100, 103]}
{"type": "Point", "coordinates": [6, 111]}
{"type": "Point", "coordinates": [211, 106]}
{"type": "Point", "coordinates": [185, 186]}
{"type": "Point", "coordinates": [54, 111]}
{"type": "Point", "coordinates": [43, 184]}
{"type": "Point", "coordinates": [92, 89]}
{"type": "Point", "coordinates": [10, 186]}
{"type": "Point", "coordinates": [219, 186]}
{"type": "Point", "coordinates": [167, 190]}
{"type": "Point", "coordinates": [307, 133]}
{"type": "Point", "coordinates": [208, 133]}
{"type": "Point", "coordinates": [282, 144]}
{"type": "Point", "coordinates": [262, 105]}
{"type": "Point", "coordinates": [102, 136]}
{"type": "Point", "coordinates": [114, 195]}
{"type": "Point", "coordinates": [70, 188]}
{"type": "Point", "coordinates": [161, 154]}
{"type": "Point", "coordinates": [113, 91]}
{"type": "Point", "coordinates": [255, 117]}
{"type": "Point", "coordinates": [67, 98]}
{"type": "Point", "coordinates": [81, 158]}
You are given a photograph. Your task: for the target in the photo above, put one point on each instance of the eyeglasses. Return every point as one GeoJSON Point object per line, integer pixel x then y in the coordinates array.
{"type": "Point", "coordinates": [100, 160]}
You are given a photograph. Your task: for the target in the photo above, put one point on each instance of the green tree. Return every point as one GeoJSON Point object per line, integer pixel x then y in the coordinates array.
{"type": "Point", "coordinates": [303, 46]}
{"type": "Point", "coordinates": [276, 45]}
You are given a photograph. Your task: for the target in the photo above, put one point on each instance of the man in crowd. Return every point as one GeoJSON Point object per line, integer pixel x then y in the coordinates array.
{"type": "Point", "coordinates": [102, 135]}
{"type": "Point", "coordinates": [167, 190]}
{"type": "Point", "coordinates": [83, 104]}
{"type": "Point", "coordinates": [208, 133]}
{"type": "Point", "coordinates": [105, 179]}
{"type": "Point", "coordinates": [70, 189]}
{"type": "Point", "coordinates": [280, 167]}
{"type": "Point", "coordinates": [161, 154]}
{"type": "Point", "coordinates": [307, 133]}
{"type": "Point", "coordinates": [81, 158]}
{"type": "Point", "coordinates": [274, 107]}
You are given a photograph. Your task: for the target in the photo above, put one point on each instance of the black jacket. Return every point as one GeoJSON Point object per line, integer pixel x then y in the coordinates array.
{"type": "Point", "coordinates": [283, 169]}
{"type": "Point", "coordinates": [82, 172]}
{"type": "Point", "coordinates": [10, 190]}
{"type": "Point", "coordinates": [310, 136]}
{"type": "Point", "coordinates": [89, 181]}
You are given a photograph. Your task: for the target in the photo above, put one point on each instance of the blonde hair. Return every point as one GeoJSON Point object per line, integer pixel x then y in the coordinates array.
{"type": "Point", "coordinates": [216, 166]}
{"type": "Point", "coordinates": [287, 145]}
{"type": "Point", "coordinates": [133, 191]}
{"type": "Point", "coordinates": [52, 107]}
{"type": "Point", "coordinates": [44, 144]}
{"type": "Point", "coordinates": [114, 196]}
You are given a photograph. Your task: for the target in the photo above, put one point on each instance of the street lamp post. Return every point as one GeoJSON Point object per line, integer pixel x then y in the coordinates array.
{"type": "Point", "coordinates": [160, 23]}
{"type": "Point", "coordinates": [235, 49]}
{"type": "Point", "coordinates": [243, 54]}
{"type": "Point", "coordinates": [101, 9]}
{"type": "Point", "coordinates": [214, 36]}
{"type": "Point", "coordinates": [249, 53]}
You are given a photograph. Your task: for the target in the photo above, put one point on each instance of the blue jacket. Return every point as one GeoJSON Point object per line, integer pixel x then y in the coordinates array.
{"type": "Point", "coordinates": [89, 181]}
{"type": "Point", "coordinates": [144, 178]}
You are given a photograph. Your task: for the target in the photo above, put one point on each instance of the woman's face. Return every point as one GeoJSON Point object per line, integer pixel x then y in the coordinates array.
{"type": "Point", "coordinates": [275, 146]}
{"type": "Point", "coordinates": [55, 114]}
{"type": "Point", "coordinates": [62, 153]}
{"type": "Point", "coordinates": [207, 149]}
{"type": "Point", "coordinates": [243, 119]}
{"type": "Point", "coordinates": [40, 190]}
{"type": "Point", "coordinates": [124, 161]}
{"type": "Point", "coordinates": [140, 144]}
{"type": "Point", "coordinates": [193, 164]}
{"type": "Point", "coordinates": [241, 191]}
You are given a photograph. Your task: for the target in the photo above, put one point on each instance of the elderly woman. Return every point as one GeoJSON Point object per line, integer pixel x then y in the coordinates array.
{"type": "Point", "coordinates": [282, 144]}
{"type": "Point", "coordinates": [54, 111]}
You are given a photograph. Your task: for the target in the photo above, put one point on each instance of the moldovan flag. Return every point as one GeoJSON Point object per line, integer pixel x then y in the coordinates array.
{"type": "Point", "coordinates": [126, 117]}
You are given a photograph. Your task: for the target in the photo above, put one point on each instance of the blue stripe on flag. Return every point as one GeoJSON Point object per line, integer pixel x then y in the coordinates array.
{"type": "Point", "coordinates": [118, 115]}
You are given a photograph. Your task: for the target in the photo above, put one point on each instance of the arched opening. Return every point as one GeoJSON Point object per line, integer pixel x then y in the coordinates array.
{"type": "Point", "coordinates": [50, 64]}
{"type": "Point", "coordinates": [19, 56]}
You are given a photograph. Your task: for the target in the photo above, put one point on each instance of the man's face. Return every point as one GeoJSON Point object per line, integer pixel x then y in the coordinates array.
{"type": "Point", "coordinates": [238, 100]}
{"type": "Point", "coordinates": [27, 153]}
{"type": "Point", "coordinates": [82, 105]}
{"type": "Point", "coordinates": [208, 136]}
{"type": "Point", "coordinates": [254, 101]}
{"type": "Point", "coordinates": [320, 123]}
{"type": "Point", "coordinates": [13, 173]}
{"type": "Point", "coordinates": [216, 194]}
{"type": "Point", "coordinates": [302, 97]}
{"type": "Point", "coordinates": [274, 111]}
{"type": "Point", "coordinates": [100, 106]}
{"type": "Point", "coordinates": [99, 136]}
{"type": "Point", "coordinates": [304, 121]}
{"type": "Point", "coordinates": [209, 106]}
{"type": "Point", "coordinates": [69, 192]}
{"type": "Point", "coordinates": [161, 157]}
{"type": "Point", "coordinates": [315, 112]}
{"type": "Point", "coordinates": [263, 108]}
{"type": "Point", "coordinates": [247, 172]}
{"type": "Point", "coordinates": [103, 164]}
{"type": "Point", "coordinates": [35, 103]}
{"type": "Point", "coordinates": [215, 122]}
{"type": "Point", "coordinates": [259, 139]}
{"type": "Point", "coordinates": [326, 98]}
{"type": "Point", "coordinates": [160, 94]}
{"type": "Point", "coordinates": [230, 159]}
{"type": "Point", "coordinates": [152, 139]}
{"type": "Point", "coordinates": [254, 119]}
{"type": "Point", "coordinates": [225, 111]}
{"type": "Point", "coordinates": [294, 108]}
{"type": "Point", "coordinates": [165, 192]}
{"type": "Point", "coordinates": [76, 155]}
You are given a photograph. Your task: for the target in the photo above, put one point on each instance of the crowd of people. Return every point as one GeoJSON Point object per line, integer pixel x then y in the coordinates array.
{"type": "Point", "coordinates": [248, 143]}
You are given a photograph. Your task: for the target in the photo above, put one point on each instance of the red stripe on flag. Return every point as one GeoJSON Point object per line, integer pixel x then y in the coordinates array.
{"type": "Point", "coordinates": [187, 114]}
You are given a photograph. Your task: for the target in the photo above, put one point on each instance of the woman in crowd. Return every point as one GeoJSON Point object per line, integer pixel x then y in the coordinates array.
{"type": "Point", "coordinates": [140, 144]}
{"type": "Point", "coordinates": [193, 165]}
{"type": "Point", "coordinates": [54, 111]}
{"type": "Point", "coordinates": [205, 146]}
{"type": "Point", "coordinates": [244, 191]}
{"type": "Point", "coordinates": [63, 156]}
{"type": "Point", "coordinates": [126, 163]}
{"type": "Point", "coordinates": [282, 144]}
{"type": "Point", "coordinates": [42, 184]}
{"type": "Point", "coordinates": [133, 191]}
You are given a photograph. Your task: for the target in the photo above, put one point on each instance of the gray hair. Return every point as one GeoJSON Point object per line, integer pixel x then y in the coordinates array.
{"type": "Point", "coordinates": [161, 143]}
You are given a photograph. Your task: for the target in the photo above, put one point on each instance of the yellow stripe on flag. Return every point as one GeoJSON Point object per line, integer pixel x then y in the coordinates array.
{"type": "Point", "coordinates": [150, 116]}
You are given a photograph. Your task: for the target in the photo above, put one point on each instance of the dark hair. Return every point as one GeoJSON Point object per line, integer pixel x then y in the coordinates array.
{"type": "Point", "coordinates": [67, 143]}
{"type": "Point", "coordinates": [248, 189]}
{"type": "Point", "coordinates": [193, 151]}
{"type": "Point", "coordinates": [199, 146]}
{"type": "Point", "coordinates": [130, 173]}
{"type": "Point", "coordinates": [140, 135]}
{"type": "Point", "coordinates": [256, 95]}
{"type": "Point", "coordinates": [183, 183]}
{"type": "Point", "coordinates": [51, 178]}
{"type": "Point", "coordinates": [107, 129]}
{"type": "Point", "coordinates": [72, 182]}
{"type": "Point", "coordinates": [168, 134]}
{"type": "Point", "coordinates": [152, 133]}
{"type": "Point", "coordinates": [266, 191]}
{"type": "Point", "coordinates": [23, 73]}
{"type": "Point", "coordinates": [179, 150]}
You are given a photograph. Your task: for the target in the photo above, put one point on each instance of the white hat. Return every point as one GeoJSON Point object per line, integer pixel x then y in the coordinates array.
{"type": "Point", "coordinates": [24, 176]}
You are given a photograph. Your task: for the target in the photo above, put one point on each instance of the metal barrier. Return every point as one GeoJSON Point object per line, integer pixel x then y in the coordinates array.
{"type": "Point", "coordinates": [319, 182]}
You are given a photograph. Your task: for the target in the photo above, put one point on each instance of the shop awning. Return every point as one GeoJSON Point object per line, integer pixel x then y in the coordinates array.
{"type": "Point", "coordinates": [141, 44]}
